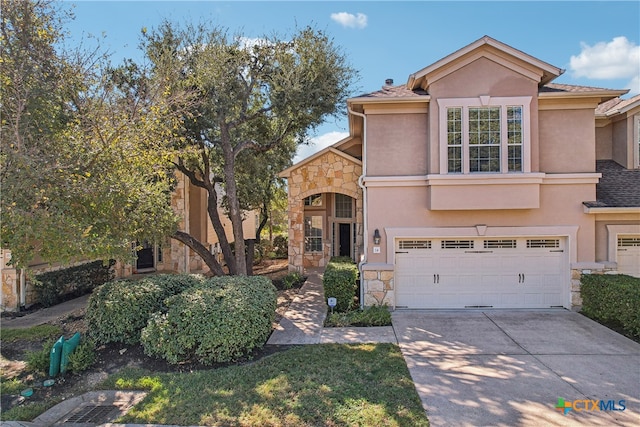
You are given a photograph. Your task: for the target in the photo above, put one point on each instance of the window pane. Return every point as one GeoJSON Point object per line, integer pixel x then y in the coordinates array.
{"type": "Point", "coordinates": [454, 139]}
{"type": "Point", "coordinates": [484, 139]}
{"type": "Point", "coordinates": [515, 158]}
{"type": "Point", "coordinates": [313, 233]}
{"type": "Point", "coordinates": [315, 200]}
{"type": "Point", "coordinates": [344, 206]}
{"type": "Point", "coordinates": [484, 159]}
{"type": "Point", "coordinates": [514, 138]}
{"type": "Point", "coordinates": [455, 159]}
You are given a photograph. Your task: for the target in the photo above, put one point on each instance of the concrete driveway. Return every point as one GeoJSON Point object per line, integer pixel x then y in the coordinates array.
{"type": "Point", "coordinates": [510, 367]}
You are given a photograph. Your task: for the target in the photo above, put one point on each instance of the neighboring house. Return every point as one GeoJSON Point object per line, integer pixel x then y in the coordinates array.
{"type": "Point", "coordinates": [478, 183]}
{"type": "Point", "coordinates": [189, 203]}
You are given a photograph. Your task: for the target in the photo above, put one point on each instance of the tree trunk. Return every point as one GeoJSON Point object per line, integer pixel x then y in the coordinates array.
{"type": "Point", "coordinates": [251, 246]}
{"type": "Point", "coordinates": [212, 210]}
{"type": "Point", "coordinates": [201, 250]}
{"type": "Point", "coordinates": [235, 214]}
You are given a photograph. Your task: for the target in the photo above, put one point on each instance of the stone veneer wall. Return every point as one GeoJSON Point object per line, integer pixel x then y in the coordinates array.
{"type": "Point", "coordinates": [330, 173]}
{"type": "Point", "coordinates": [378, 285]}
{"type": "Point", "coordinates": [576, 274]}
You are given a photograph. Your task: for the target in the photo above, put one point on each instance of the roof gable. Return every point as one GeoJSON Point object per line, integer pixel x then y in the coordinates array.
{"type": "Point", "coordinates": [489, 48]}
{"type": "Point", "coordinates": [287, 172]}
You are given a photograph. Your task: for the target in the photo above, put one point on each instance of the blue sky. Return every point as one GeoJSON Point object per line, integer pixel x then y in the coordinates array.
{"type": "Point", "coordinates": [597, 43]}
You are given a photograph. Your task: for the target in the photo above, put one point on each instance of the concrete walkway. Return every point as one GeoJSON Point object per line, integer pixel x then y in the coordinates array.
{"type": "Point", "coordinates": [303, 321]}
{"type": "Point", "coordinates": [46, 315]}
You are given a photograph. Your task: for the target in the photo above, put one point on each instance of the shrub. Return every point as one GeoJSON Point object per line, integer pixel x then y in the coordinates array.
{"type": "Point", "coordinates": [118, 310]}
{"type": "Point", "coordinates": [38, 361]}
{"type": "Point", "coordinates": [83, 356]}
{"type": "Point", "coordinates": [370, 316]}
{"type": "Point", "coordinates": [220, 320]}
{"type": "Point", "coordinates": [292, 280]}
{"type": "Point", "coordinates": [340, 280]}
{"type": "Point", "coordinates": [281, 246]}
{"type": "Point", "coordinates": [612, 298]}
{"type": "Point", "coordinates": [53, 286]}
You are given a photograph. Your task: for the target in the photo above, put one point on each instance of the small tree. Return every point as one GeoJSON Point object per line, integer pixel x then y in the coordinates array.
{"type": "Point", "coordinates": [257, 99]}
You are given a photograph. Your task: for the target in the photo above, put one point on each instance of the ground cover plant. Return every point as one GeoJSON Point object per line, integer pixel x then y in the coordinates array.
{"type": "Point", "coordinates": [328, 384]}
{"type": "Point", "coordinates": [369, 316]}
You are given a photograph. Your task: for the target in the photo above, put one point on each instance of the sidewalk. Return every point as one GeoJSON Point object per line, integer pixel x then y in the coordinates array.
{"type": "Point", "coordinates": [46, 315]}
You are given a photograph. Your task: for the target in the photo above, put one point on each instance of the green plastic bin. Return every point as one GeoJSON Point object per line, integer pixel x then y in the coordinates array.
{"type": "Point", "coordinates": [67, 348]}
{"type": "Point", "coordinates": [55, 356]}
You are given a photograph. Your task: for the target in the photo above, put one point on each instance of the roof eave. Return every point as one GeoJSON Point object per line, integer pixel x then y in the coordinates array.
{"type": "Point", "coordinates": [395, 100]}
{"type": "Point", "coordinates": [611, 209]}
{"type": "Point", "coordinates": [605, 95]}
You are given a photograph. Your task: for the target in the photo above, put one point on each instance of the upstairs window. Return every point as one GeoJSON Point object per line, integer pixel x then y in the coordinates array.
{"type": "Point", "coordinates": [484, 134]}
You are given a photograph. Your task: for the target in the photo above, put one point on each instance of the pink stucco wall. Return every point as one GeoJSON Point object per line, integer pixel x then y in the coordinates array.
{"type": "Point", "coordinates": [567, 140]}
{"type": "Point", "coordinates": [397, 144]}
{"type": "Point", "coordinates": [407, 207]}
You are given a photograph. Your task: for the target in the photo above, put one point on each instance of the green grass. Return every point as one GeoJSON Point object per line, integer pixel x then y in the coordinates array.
{"type": "Point", "coordinates": [328, 384]}
{"type": "Point", "coordinates": [370, 316]}
{"type": "Point", "coordinates": [27, 412]}
{"type": "Point", "coordinates": [34, 333]}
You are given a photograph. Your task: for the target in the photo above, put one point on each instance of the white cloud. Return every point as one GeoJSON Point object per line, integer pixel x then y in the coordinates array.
{"type": "Point", "coordinates": [318, 143]}
{"type": "Point", "coordinates": [619, 58]}
{"type": "Point", "coordinates": [350, 20]}
{"type": "Point", "coordinates": [634, 86]}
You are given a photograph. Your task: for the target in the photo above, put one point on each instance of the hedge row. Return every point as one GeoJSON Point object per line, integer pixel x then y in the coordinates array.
{"type": "Point", "coordinates": [53, 287]}
{"type": "Point", "coordinates": [340, 281]}
{"type": "Point", "coordinates": [220, 320]}
{"type": "Point", "coordinates": [612, 299]}
{"type": "Point", "coordinates": [118, 310]}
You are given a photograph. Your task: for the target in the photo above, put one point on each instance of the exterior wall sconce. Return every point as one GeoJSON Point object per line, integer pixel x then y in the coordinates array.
{"type": "Point", "coordinates": [376, 237]}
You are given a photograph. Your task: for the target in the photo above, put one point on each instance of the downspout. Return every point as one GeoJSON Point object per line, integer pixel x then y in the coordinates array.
{"type": "Point", "coordinates": [364, 202]}
{"type": "Point", "coordinates": [23, 288]}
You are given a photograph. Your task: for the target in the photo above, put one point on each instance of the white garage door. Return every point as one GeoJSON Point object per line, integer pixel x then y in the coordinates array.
{"type": "Point", "coordinates": [629, 255]}
{"type": "Point", "coordinates": [487, 272]}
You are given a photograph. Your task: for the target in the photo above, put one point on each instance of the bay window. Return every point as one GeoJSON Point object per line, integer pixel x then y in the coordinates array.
{"type": "Point", "coordinates": [485, 134]}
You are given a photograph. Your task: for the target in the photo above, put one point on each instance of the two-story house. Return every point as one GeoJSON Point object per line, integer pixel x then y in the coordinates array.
{"type": "Point", "coordinates": [477, 183]}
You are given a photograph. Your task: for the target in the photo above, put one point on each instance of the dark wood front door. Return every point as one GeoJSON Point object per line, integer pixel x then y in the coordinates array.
{"type": "Point", "coordinates": [345, 240]}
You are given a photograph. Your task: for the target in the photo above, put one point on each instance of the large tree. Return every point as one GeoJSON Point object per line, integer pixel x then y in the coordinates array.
{"type": "Point", "coordinates": [85, 166]}
{"type": "Point", "coordinates": [256, 100]}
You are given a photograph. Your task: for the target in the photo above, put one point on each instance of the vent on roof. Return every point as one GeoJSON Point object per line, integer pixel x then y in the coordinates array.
{"type": "Point", "coordinates": [388, 82]}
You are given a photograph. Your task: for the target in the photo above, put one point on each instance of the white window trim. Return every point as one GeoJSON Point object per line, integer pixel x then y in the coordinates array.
{"type": "Point", "coordinates": [486, 101]}
{"type": "Point", "coordinates": [636, 142]}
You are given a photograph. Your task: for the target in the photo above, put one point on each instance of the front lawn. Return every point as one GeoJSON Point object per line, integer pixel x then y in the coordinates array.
{"type": "Point", "coordinates": [328, 384]}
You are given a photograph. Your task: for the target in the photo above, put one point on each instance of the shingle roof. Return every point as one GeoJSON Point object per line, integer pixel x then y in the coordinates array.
{"type": "Point", "coordinates": [400, 91]}
{"type": "Point", "coordinates": [618, 187]}
{"type": "Point", "coordinates": [559, 87]}
{"type": "Point", "coordinates": [615, 105]}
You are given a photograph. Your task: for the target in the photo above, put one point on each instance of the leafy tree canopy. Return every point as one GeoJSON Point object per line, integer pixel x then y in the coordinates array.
{"type": "Point", "coordinates": [85, 167]}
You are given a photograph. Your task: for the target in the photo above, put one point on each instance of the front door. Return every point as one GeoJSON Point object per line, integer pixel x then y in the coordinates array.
{"type": "Point", "coordinates": [145, 256]}
{"type": "Point", "coordinates": [345, 240]}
